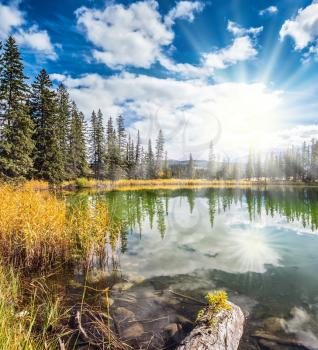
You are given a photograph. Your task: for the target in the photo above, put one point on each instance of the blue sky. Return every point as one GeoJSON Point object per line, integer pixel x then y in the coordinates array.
{"type": "Point", "coordinates": [243, 72]}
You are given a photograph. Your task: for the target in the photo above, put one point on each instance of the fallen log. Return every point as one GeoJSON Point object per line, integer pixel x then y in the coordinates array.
{"type": "Point", "coordinates": [220, 331]}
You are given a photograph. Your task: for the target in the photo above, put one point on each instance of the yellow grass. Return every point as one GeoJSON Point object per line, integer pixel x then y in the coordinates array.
{"type": "Point", "coordinates": [37, 229]}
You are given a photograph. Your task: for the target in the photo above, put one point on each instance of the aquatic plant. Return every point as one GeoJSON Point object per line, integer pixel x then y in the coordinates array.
{"type": "Point", "coordinates": [217, 302]}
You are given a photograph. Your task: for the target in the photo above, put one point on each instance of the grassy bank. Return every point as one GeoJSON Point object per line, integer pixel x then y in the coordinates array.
{"type": "Point", "coordinates": [40, 231]}
{"type": "Point", "coordinates": [35, 324]}
{"type": "Point", "coordinates": [126, 184]}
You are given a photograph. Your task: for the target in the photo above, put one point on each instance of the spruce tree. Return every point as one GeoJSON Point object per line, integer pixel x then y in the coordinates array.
{"type": "Point", "coordinates": [64, 117]}
{"type": "Point", "coordinates": [121, 135]}
{"type": "Point", "coordinates": [249, 166]}
{"type": "Point", "coordinates": [93, 143]}
{"type": "Point", "coordinates": [77, 148]}
{"type": "Point", "coordinates": [166, 172]}
{"type": "Point", "coordinates": [211, 162]}
{"type": "Point", "coordinates": [16, 128]}
{"type": "Point", "coordinates": [112, 156]}
{"type": "Point", "coordinates": [150, 163]}
{"type": "Point", "coordinates": [48, 157]}
{"type": "Point", "coordinates": [191, 169]}
{"type": "Point", "coordinates": [159, 153]}
{"type": "Point", "coordinates": [100, 146]}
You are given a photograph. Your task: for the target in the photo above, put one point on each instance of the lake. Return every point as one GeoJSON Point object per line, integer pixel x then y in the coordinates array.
{"type": "Point", "coordinates": [258, 244]}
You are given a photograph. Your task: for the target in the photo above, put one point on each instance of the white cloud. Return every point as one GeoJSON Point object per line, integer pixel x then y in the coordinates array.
{"type": "Point", "coordinates": [303, 28]}
{"type": "Point", "coordinates": [190, 113]}
{"type": "Point", "coordinates": [11, 17]}
{"type": "Point", "coordinates": [271, 10]}
{"type": "Point", "coordinates": [237, 30]}
{"type": "Point", "coordinates": [133, 35]}
{"type": "Point", "coordinates": [137, 35]}
{"type": "Point", "coordinates": [13, 22]}
{"type": "Point", "coordinates": [37, 40]}
{"type": "Point", "coordinates": [241, 49]}
{"type": "Point", "coordinates": [184, 10]}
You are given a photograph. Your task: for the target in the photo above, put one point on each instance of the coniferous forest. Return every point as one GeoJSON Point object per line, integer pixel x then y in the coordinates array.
{"type": "Point", "coordinates": [43, 135]}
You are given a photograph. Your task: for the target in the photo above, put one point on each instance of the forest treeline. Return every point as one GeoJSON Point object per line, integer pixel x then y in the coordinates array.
{"type": "Point", "coordinates": [44, 136]}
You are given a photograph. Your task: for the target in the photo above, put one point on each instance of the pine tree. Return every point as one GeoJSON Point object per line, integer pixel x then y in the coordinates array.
{"type": "Point", "coordinates": [97, 145]}
{"type": "Point", "coordinates": [159, 153]}
{"type": "Point", "coordinates": [249, 166]}
{"type": "Point", "coordinates": [16, 126]}
{"type": "Point", "coordinates": [64, 117]}
{"type": "Point", "coordinates": [77, 149]}
{"type": "Point", "coordinates": [121, 135]}
{"type": "Point", "coordinates": [211, 162]}
{"type": "Point", "coordinates": [100, 145]}
{"type": "Point", "coordinates": [150, 163]}
{"type": "Point", "coordinates": [92, 143]}
{"type": "Point", "coordinates": [166, 172]}
{"type": "Point", "coordinates": [48, 158]}
{"type": "Point", "coordinates": [191, 169]}
{"type": "Point", "coordinates": [258, 167]}
{"type": "Point", "coordinates": [112, 156]}
{"type": "Point", "coordinates": [130, 159]}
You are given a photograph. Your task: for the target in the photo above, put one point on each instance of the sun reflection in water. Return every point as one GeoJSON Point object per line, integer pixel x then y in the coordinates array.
{"type": "Point", "coordinates": [251, 251]}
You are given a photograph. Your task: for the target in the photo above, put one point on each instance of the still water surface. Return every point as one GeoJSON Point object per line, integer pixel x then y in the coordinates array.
{"type": "Point", "coordinates": [260, 245]}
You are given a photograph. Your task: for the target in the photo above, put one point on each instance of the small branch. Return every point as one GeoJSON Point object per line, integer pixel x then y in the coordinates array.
{"type": "Point", "coordinates": [186, 297]}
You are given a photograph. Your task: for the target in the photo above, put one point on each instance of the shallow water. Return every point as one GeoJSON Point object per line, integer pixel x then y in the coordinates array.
{"type": "Point", "coordinates": [260, 245]}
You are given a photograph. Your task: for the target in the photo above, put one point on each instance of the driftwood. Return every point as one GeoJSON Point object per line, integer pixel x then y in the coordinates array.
{"type": "Point", "coordinates": [224, 333]}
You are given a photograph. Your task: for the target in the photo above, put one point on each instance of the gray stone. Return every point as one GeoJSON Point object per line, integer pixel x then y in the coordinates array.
{"type": "Point", "coordinates": [225, 334]}
{"type": "Point", "coordinates": [275, 324]}
{"type": "Point", "coordinates": [122, 286]}
{"type": "Point", "coordinates": [108, 301]}
{"type": "Point", "coordinates": [134, 331]}
{"type": "Point", "coordinates": [122, 314]}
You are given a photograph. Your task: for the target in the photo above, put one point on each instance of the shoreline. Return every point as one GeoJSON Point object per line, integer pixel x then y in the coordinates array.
{"type": "Point", "coordinates": [162, 184]}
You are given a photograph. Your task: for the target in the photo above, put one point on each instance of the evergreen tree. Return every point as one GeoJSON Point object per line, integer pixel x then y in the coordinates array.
{"type": "Point", "coordinates": [258, 167]}
{"type": "Point", "coordinates": [97, 145]}
{"type": "Point", "coordinates": [211, 162]}
{"type": "Point", "coordinates": [150, 163]}
{"type": "Point", "coordinates": [191, 169]}
{"type": "Point", "coordinates": [130, 159]}
{"type": "Point", "coordinates": [159, 153]}
{"type": "Point", "coordinates": [92, 143]}
{"type": "Point", "coordinates": [64, 118]}
{"type": "Point", "coordinates": [48, 158]}
{"type": "Point", "coordinates": [112, 152]}
{"type": "Point", "coordinates": [121, 135]}
{"type": "Point", "coordinates": [166, 171]}
{"type": "Point", "coordinates": [16, 128]}
{"type": "Point", "coordinates": [77, 148]}
{"type": "Point", "coordinates": [249, 166]}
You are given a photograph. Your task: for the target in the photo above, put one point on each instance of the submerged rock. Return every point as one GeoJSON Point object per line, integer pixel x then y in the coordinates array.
{"type": "Point", "coordinates": [122, 314]}
{"type": "Point", "coordinates": [173, 331]}
{"type": "Point", "coordinates": [107, 301]}
{"type": "Point", "coordinates": [223, 332]}
{"type": "Point", "coordinates": [122, 286]}
{"type": "Point", "coordinates": [275, 324]}
{"type": "Point", "coordinates": [134, 331]}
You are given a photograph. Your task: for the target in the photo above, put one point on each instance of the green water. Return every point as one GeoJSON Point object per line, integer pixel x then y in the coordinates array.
{"type": "Point", "coordinates": [260, 245]}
